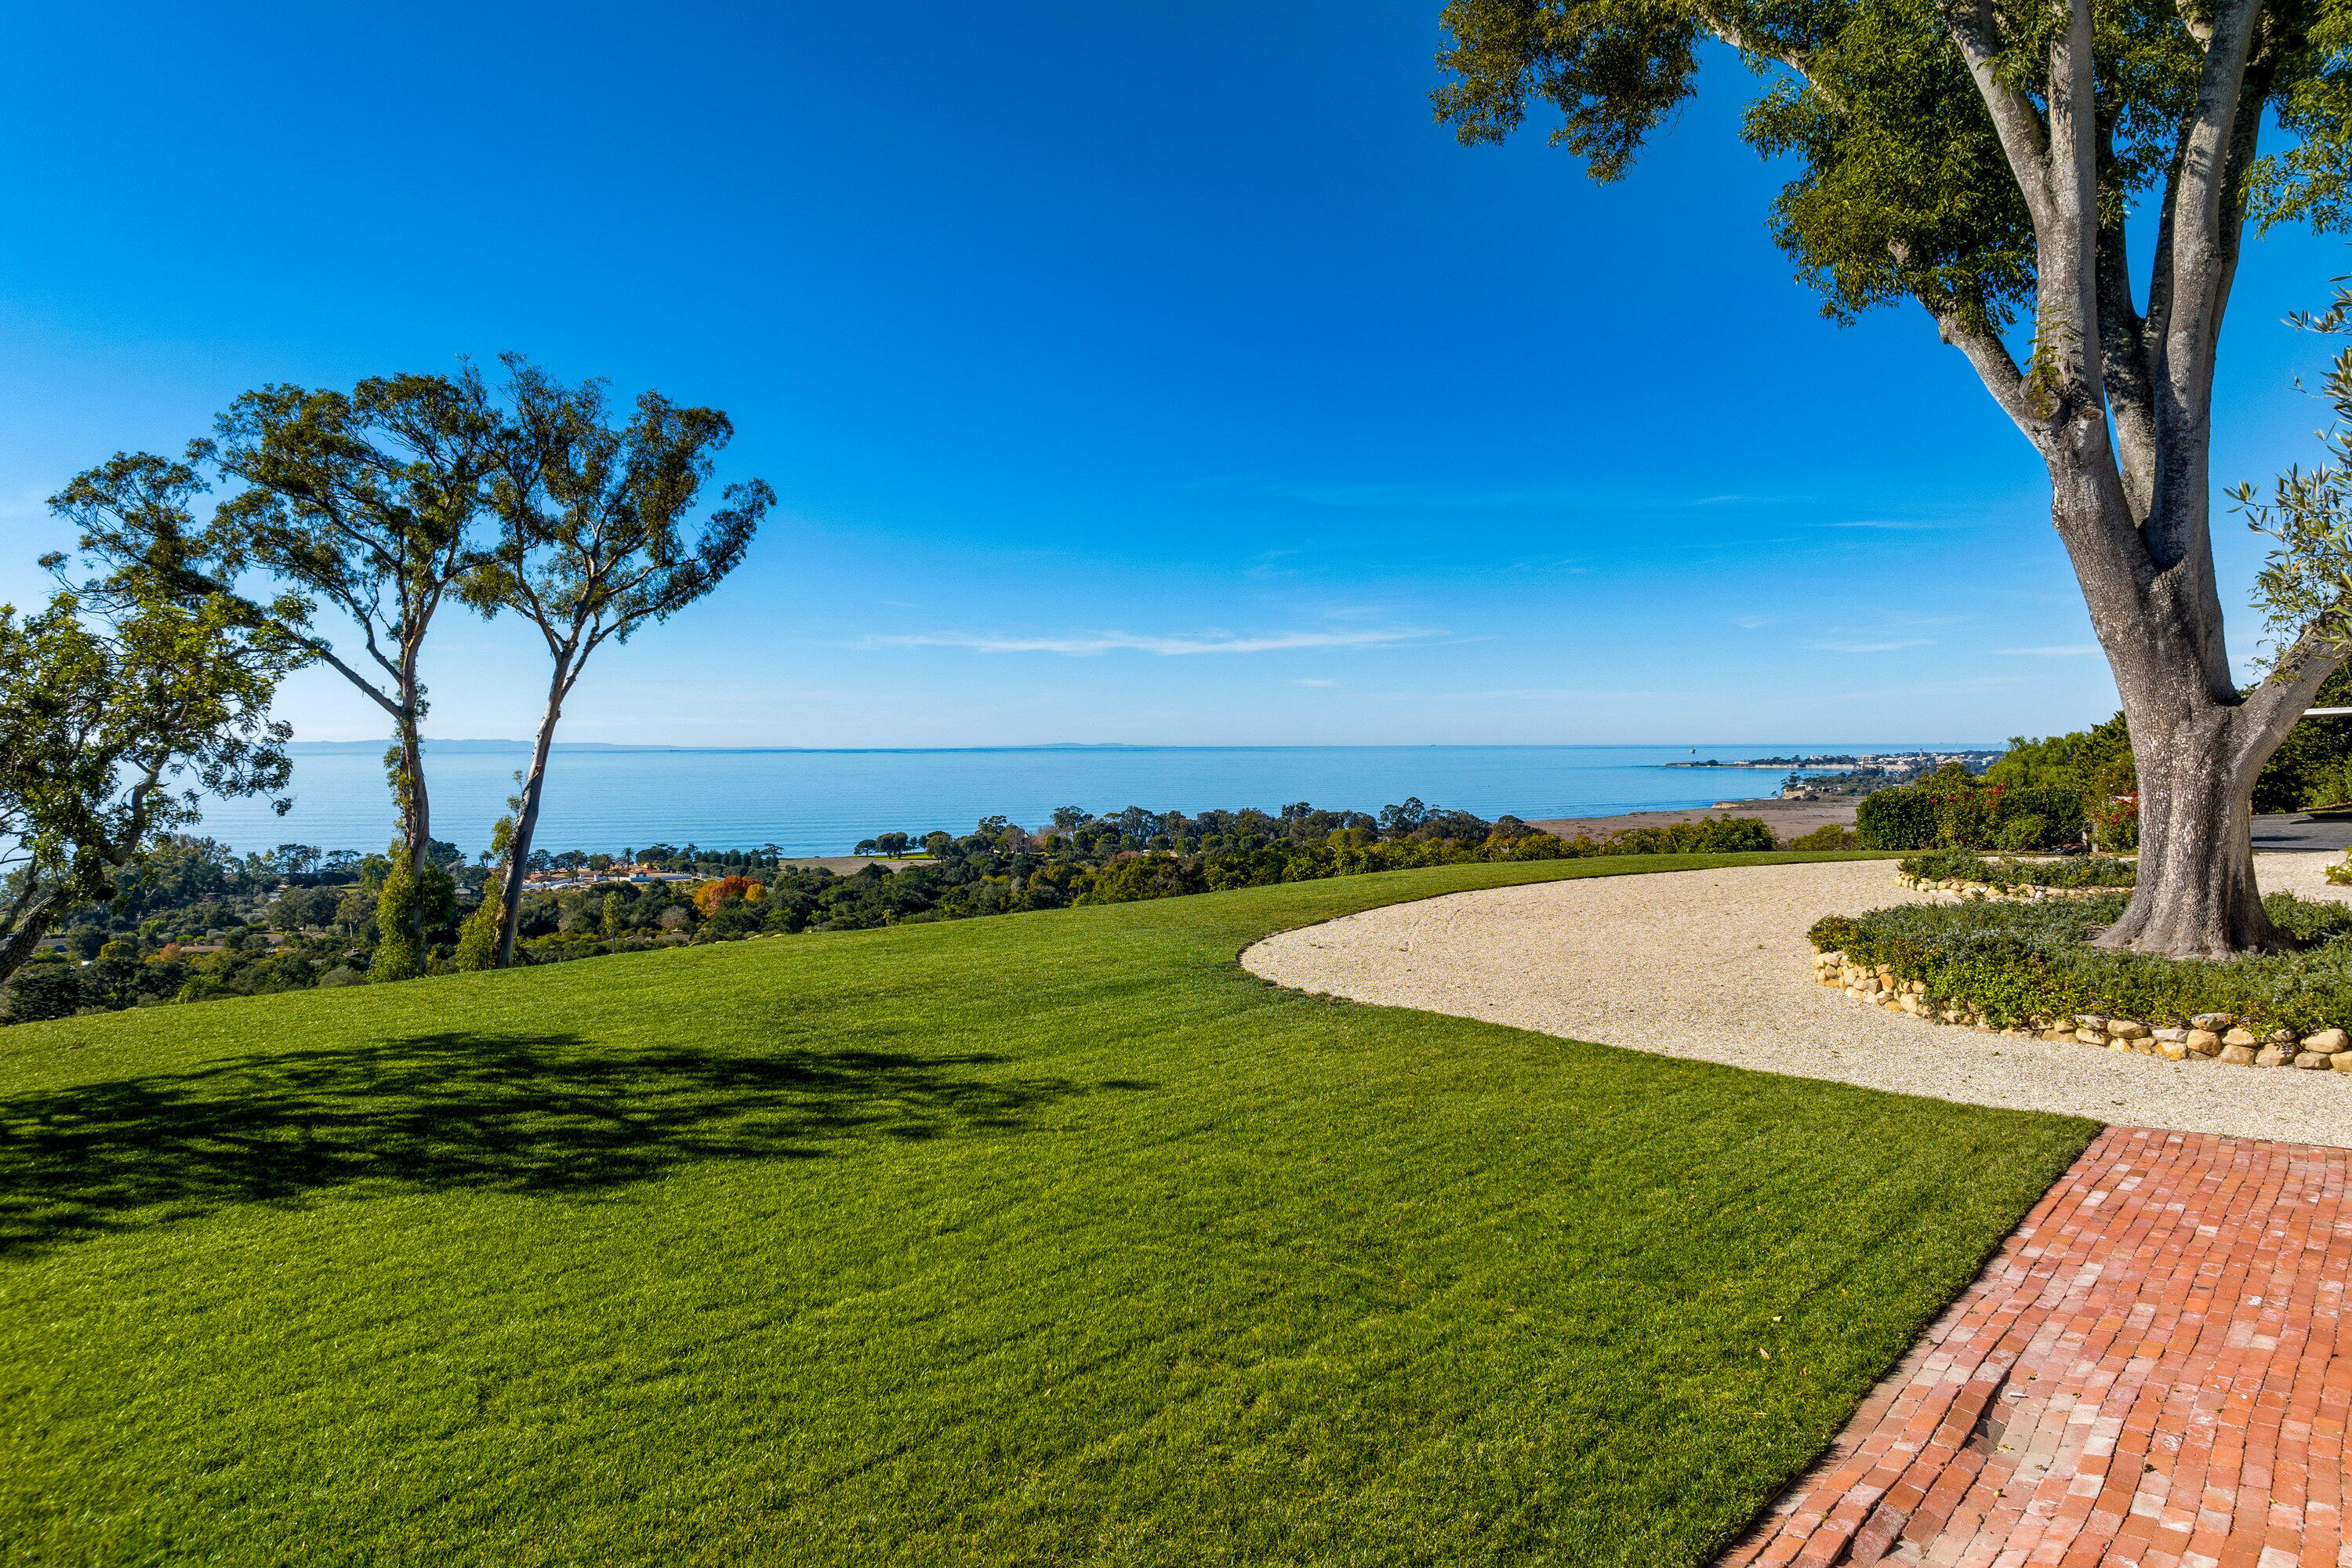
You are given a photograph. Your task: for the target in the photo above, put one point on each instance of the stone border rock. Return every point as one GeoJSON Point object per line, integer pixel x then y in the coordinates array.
{"type": "Point", "coordinates": [2209, 1036]}
{"type": "Point", "coordinates": [2022, 892]}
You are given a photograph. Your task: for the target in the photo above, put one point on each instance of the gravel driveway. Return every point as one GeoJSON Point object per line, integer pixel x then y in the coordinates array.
{"type": "Point", "coordinates": [1715, 965]}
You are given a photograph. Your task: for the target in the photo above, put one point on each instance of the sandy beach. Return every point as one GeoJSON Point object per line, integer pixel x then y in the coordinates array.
{"type": "Point", "coordinates": [1789, 818]}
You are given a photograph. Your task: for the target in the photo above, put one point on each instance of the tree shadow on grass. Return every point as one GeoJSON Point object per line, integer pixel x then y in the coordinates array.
{"type": "Point", "coordinates": [460, 1111]}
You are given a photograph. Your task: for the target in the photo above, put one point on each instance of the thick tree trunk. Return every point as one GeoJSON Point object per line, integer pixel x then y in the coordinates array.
{"type": "Point", "coordinates": [2196, 896]}
{"type": "Point", "coordinates": [527, 815]}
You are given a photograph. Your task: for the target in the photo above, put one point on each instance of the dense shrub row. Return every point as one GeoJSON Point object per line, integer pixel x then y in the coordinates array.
{"type": "Point", "coordinates": [2073, 871]}
{"type": "Point", "coordinates": [2028, 963]}
{"type": "Point", "coordinates": [1156, 874]}
{"type": "Point", "coordinates": [1954, 811]}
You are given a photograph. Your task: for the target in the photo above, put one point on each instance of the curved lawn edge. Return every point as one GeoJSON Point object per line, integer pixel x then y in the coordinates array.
{"type": "Point", "coordinates": [1233, 1272]}
{"type": "Point", "coordinates": [1521, 874]}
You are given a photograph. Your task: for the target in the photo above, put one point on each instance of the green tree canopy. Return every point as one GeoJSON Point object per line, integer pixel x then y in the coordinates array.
{"type": "Point", "coordinates": [118, 713]}
{"type": "Point", "coordinates": [602, 530]}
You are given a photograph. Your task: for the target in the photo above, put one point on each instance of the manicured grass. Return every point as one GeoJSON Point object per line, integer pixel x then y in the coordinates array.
{"type": "Point", "coordinates": [1037, 1239]}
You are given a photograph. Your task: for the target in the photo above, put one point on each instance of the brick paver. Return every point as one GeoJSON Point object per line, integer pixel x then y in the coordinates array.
{"type": "Point", "coordinates": [2153, 1372]}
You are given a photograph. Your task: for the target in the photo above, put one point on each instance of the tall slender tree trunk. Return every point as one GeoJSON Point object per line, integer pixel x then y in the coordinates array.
{"type": "Point", "coordinates": [416, 807]}
{"type": "Point", "coordinates": [527, 814]}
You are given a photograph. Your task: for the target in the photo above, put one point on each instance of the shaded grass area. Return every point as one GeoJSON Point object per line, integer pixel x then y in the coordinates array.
{"type": "Point", "coordinates": [1044, 1239]}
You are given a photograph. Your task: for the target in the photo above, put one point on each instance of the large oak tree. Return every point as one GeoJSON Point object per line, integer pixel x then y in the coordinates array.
{"type": "Point", "coordinates": [1981, 161]}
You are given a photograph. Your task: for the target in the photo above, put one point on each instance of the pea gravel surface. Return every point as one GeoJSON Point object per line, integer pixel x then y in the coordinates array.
{"type": "Point", "coordinates": [1715, 965]}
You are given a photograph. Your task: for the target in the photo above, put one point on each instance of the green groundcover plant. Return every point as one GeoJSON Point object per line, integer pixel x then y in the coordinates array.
{"type": "Point", "coordinates": [1966, 866]}
{"type": "Point", "coordinates": [1055, 1239]}
{"type": "Point", "coordinates": [2022, 962]}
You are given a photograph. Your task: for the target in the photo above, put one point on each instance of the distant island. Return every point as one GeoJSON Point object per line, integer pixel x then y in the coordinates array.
{"type": "Point", "coordinates": [1906, 762]}
{"type": "Point", "coordinates": [1841, 776]}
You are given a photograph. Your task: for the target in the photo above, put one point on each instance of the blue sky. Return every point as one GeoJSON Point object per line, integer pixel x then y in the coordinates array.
{"type": "Point", "coordinates": [1151, 376]}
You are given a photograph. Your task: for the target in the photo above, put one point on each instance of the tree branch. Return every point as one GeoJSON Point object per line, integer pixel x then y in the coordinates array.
{"type": "Point", "coordinates": [2244, 143]}
{"type": "Point", "coordinates": [2124, 359]}
{"type": "Point", "coordinates": [2024, 139]}
{"type": "Point", "coordinates": [2067, 307]}
{"type": "Point", "coordinates": [1989, 357]}
{"type": "Point", "coordinates": [32, 925]}
{"type": "Point", "coordinates": [2274, 705]}
{"type": "Point", "coordinates": [1797, 64]}
{"type": "Point", "coordinates": [2200, 201]}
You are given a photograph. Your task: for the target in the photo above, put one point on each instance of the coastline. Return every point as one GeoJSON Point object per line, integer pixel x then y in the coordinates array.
{"type": "Point", "coordinates": [814, 804]}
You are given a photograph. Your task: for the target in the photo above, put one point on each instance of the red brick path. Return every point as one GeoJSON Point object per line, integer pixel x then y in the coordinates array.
{"type": "Point", "coordinates": [2155, 1371]}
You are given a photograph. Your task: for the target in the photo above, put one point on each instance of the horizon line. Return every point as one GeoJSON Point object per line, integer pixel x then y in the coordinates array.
{"type": "Point", "coordinates": [1803, 747]}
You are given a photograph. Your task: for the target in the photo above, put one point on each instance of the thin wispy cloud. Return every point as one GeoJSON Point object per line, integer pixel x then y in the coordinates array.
{"type": "Point", "coordinates": [1382, 495]}
{"type": "Point", "coordinates": [1892, 524]}
{"type": "Point", "coordinates": [1315, 683]}
{"type": "Point", "coordinates": [1749, 623]}
{"type": "Point", "coordinates": [1083, 644]}
{"type": "Point", "coordinates": [1273, 564]}
{"type": "Point", "coordinates": [2067, 650]}
{"type": "Point", "coordinates": [1473, 498]}
{"type": "Point", "coordinates": [1870, 646]}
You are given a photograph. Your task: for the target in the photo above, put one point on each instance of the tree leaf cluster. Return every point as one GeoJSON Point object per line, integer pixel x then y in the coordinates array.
{"type": "Point", "coordinates": [1902, 189]}
{"type": "Point", "coordinates": [117, 713]}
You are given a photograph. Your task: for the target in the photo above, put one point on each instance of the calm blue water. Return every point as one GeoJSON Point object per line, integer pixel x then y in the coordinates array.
{"type": "Point", "coordinates": [819, 803]}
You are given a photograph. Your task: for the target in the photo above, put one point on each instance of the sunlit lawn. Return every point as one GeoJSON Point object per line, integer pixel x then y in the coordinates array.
{"type": "Point", "coordinates": [1048, 1238]}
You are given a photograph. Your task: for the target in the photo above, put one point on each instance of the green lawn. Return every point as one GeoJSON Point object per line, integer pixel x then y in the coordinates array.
{"type": "Point", "coordinates": [1038, 1239]}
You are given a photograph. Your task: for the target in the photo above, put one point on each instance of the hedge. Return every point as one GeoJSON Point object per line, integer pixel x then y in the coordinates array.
{"type": "Point", "coordinates": [1969, 816]}
{"type": "Point", "coordinates": [1900, 818]}
{"type": "Point", "coordinates": [1158, 874]}
{"type": "Point", "coordinates": [1968, 865]}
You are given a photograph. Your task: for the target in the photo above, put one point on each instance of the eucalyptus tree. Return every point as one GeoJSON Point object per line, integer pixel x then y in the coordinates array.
{"type": "Point", "coordinates": [1981, 161]}
{"type": "Point", "coordinates": [119, 710]}
{"type": "Point", "coordinates": [367, 501]}
{"type": "Point", "coordinates": [596, 538]}
{"type": "Point", "coordinates": [364, 501]}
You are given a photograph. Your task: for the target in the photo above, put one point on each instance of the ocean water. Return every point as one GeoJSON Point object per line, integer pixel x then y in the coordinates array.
{"type": "Point", "coordinates": [823, 802]}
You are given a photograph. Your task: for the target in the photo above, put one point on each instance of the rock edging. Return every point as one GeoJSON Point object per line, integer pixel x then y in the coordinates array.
{"type": "Point", "coordinates": [2209, 1036]}
{"type": "Point", "coordinates": [2023, 891]}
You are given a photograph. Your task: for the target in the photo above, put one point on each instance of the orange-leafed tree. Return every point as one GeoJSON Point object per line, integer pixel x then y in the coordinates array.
{"type": "Point", "coordinates": [726, 890]}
